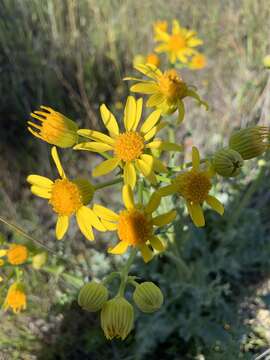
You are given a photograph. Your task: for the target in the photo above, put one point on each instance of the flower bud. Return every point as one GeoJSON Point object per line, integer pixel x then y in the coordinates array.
{"type": "Point", "coordinates": [16, 298]}
{"type": "Point", "coordinates": [250, 142]}
{"type": "Point", "coordinates": [93, 296]}
{"type": "Point", "coordinates": [117, 318]}
{"type": "Point", "coordinates": [39, 260]}
{"type": "Point", "coordinates": [148, 297]}
{"type": "Point", "coordinates": [227, 162]}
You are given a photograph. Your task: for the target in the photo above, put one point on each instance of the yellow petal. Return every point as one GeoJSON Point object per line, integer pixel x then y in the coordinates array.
{"type": "Point", "coordinates": [153, 203]}
{"type": "Point", "coordinates": [167, 190]}
{"type": "Point", "coordinates": [165, 219]}
{"type": "Point", "coordinates": [40, 181]}
{"type": "Point", "coordinates": [130, 113]}
{"type": "Point", "coordinates": [61, 226]}
{"type": "Point", "coordinates": [58, 162]}
{"type": "Point", "coordinates": [144, 88]}
{"type": "Point", "coordinates": [94, 220]}
{"type": "Point", "coordinates": [147, 254]}
{"type": "Point", "coordinates": [109, 120]}
{"type": "Point", "coordinates": [215, 204]}
{"type": "Point", "coordinates": [130, 175]}
{"type": "Point", "coordinates": [119, 249]}
{"type": "Point", "coordinates": [151, 121]}
{"type": "Point", "coordinates": [3, 253]}
{"type": "Point", "coordinates": [41, 192]}
{"type": "Point", "coordinates": [105, 167]}
{"type": "Point", "coordinates": [195, 158]}
{"type": "Point", "coordinates": [84, 222]}
{"type": "Point", "coordinates": [96, 135]}
{"type": "Point", "coordinates": [93, 146]}
{"type": "Point", "coordinates": [145, 164]}
{"type": "Point", "coordinates": [109, 225]}
{"type": "Point", "coordinates": [164, 145]}
{"type": "Point", "coordinates": [196, 214]}
{"type": "Point", "coordinates": [157, 244]}
{"type": "Point", "coordinates": [105, 213]}
{"type": "Point", "coordinates": [155, 100]}
{"type": "Point", "coordinates": [139, 105]}
{"type": "Point", "coordinates": [149, 70]}
{"type": "Point", "coordinates": [127, 196]}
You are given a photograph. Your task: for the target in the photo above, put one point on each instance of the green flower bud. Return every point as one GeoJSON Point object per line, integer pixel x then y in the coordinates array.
{"type": "Point", "coordinates": [250, 142]}
{"type": "Point", "coordinates": [148, 297]}
{"type": "Point", "coordinates": [227, 162]}
{"type": "Point", "coordinates": [117, 318]}
{"type": "Point", "coordinates": [93, 296]}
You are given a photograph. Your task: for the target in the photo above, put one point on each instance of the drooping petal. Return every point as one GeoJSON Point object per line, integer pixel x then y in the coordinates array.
{"type": "Point", "coordinates": [94, 220]}
{"type": "Point", "coordinates": [147, 254]}
{"type": "Point", "coordinates": [153, 203]}
{"type": "Point", "coordinates": [127, 196]}
{"type": "Point", "coordinates": [96, 136]}
{"type": "Point", "coordinates": [105, 213]}
{"type": "Point", "coordinates": [196, 214]}
{"type": "Point", "coordinates": [61, 226]}
{"type": "Point", "coordinates": [40, 181]}
{"type": "Point", "coordinates": [215, 204]}
{"type": "Point", "coordinates": [41, 192]}
{"type": "Point", "coordinates": [150, 122]}
{"type": "Point", "coordinates": [144, 88]}
{"type": "Point", "coordinates": [58, 162]}
{"type": "Point", "coordinates": [165, 219]}
{"type": "Point", "coordinates": [157, 244]}
{"type": "Point", "coordinates": [109, 120]}
{"type": "Point", "coordinates": [105, 167]}
{"type": "Point", "coordinates": [84, 222]}
{"type": "Point", "coordinates": [119, 249]}
{"type": "Point", "coordinates": [195, 158]}
{"type": "Point", "coordinates": [130, 175]}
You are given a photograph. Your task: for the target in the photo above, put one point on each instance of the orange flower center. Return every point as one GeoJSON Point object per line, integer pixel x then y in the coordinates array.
{"type": "Point", "coordinates": [193, 185]}
{"type": "Point", "coordinates": [153, 59]}
{"type": "Point", "coordinates": [134, 227]}
{"type": "Point", "coordinates": [171, 85]}
{"type": "Point", "coordinates": [129, 146]}
{"type": "Point", "coordinates": [16, 300]}
{"type": "Point", "coordinates": [177, 42]}
{"type": "Point", "coordinates": [17, 254]}
{"type": "Point", "coordinates": [66, 197]}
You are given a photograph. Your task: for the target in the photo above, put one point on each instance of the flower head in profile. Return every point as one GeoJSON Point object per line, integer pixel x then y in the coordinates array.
{"type": "Point", "coordinates": [130, 148]}
{"type": "Point", "coordinates": [179, 44]}
{"type": "Point", "coordinates": [67, 198]}
{"type": "Point", "coordinates": [194, 186]}
{"type": "Point", "coordinates": [16, 298]}
{"type": "Point", "coordinates": [197, 62]}
{"type": "Point", "coordinates": [16, 254]}
{"type": "Point", "coordinates": [136, 225]}
{"type": "Point", "coordinates": [166, 89]}
{"type": "Point", "coordinates": [53, 127]}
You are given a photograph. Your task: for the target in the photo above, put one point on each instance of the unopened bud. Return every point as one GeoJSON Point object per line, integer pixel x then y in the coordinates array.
{"type": "Point", "coordinates": [93, 296]}
{"type": "Point", "coordinates": [39, 260]}
{"type": "Point", "coordinates": [227, 162]}
{"type": "Point", "coordinates": [148, 297]}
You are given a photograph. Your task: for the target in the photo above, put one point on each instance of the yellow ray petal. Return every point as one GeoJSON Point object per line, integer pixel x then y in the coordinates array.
{"type": "Point", "coordinates": [145, 164]}
{"type": "Point", "coordinates": [155, 100]}
{"type": "Point", "coordinates": [195, 158]}
{"type": "Point", "coordinates": [164, 145]}
{"type": "Point", "coordinates": [130, 113]}
{"type": "Point", "coordinates": [167, 190]}
{"type": "Point", "coordinates": [147, 254]}
{"type": "Point", "coordinates": [109, 120]}
{"type": "Point", "coordinates": [109, 225]}
{"type": "Point", "coordinates": [150, 122]}
{"type": "Point", "coordinates": [154, 131]}
{"type": "Point", "coordinates": [119, 249]}
{"type": "Point", "coordinates": [3, 253]}
{"type": "Point", "coordinates": [40, 181]}
{"type": "Point", "coordinates": [127, 196]}
{"type": "Point", "coordinates": [149, 70]}
{"type": "Point", "coordinates": [130, 175]}
{"type": "Point", "coordinates": [94, 220]}
{"type": "Point", "coordinates": [215, 204]}
{"type": "Point", "coordinates": [153, 203]}
{"type": "Point", "coordinates": [105, 167]}
{"type": "Point", "coordinates": [96, 135]}
{"type": "Point", "coordinates": [93, 146]}
{"type": "Point", "coordinates": [139, 105]}
{"type": "Point", "coordinates": [41, 192]}
{"type": "Point", "coordinates": [61, 226]}
{"type": "Point", "coordinates": [157, 244]}
{"type": "Point", "coordinates": [105, 213]}
{"type": "Point", "coordinates": [144, 88]}
{"type": "Point", "coordinates": [58, 162]}
{"type": "Point", "coordinates": [84, 222]}
{"type": "Point", "coordinates": [165, 219]}
{"type": "Point", "coordinates": [196, 214]}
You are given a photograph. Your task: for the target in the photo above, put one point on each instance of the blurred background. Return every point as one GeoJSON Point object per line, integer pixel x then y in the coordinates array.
{"type": "Point", "coordinates": [72, 55]}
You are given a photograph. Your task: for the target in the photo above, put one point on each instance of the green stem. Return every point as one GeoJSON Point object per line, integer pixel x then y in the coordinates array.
{"type": "Point", "coordinates": [180, 264]}
{"type": "Point", "coordinates": [108, 183]}
{"type": "Point", "coordinates": [125, 271]}
{"type": "Point", "coordinates": [110, 277]}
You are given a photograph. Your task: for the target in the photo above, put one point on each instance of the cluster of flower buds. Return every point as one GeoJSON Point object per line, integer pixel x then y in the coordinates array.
{"type": "Point", "coordinates": [117, 314]}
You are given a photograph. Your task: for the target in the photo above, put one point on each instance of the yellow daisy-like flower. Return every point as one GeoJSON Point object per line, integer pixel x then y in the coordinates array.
{"type": "Point", "coordinates": [67, 198]}
{"type": "Point", "coordinates": [179, 44]}
{"type": "Point", "coordinates": [159, 27]}
{"type": "Point", "coordinates": [54, 128]}
{"type": "Point", "coordinates": [166, 89]}
{"type": "Point", "coordinates": [194, 186]}
{"type": "Point", "coordinates": [131, 148]}
{"type": "Point", "coordinates": [135, 225]}
{"type": "Point", "coordinates": [197, 62]}
{"type": "Point", "coordinates": [17, 254]}
{"type": "Point", "coordinates": [16, 298]}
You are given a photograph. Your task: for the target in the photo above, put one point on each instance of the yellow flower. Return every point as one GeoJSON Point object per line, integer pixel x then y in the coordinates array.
{"type": "Point", "coordinates": [194, 186]}
{"type": "Point", "coordinates": [166, 89]}
{"type": "Point", "coordinates": [159, 27]}
{"type": "Point", "coordinates": [67, 198]}
{"type": "Point", "coordinates": [54, 128]}
{"type": "Point", "coordinates": [135, 225]}
{"type": "Point", "coordinates": [16, 298]}
{"type": "Point", "coordinates": [197, 62]}
{"type": "Point", "coordinates": [131, 148]}
{"type": "Point", "coordinates": [179, 44]}
{"type": "Point", "coordinates": [17, 254]}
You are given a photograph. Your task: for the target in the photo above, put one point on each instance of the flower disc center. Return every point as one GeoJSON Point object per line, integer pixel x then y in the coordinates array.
{"type": "Point", "coordinates": [129, 146]}
{"type": "Point", "coordinates": [171, 85]}
{"type": "Point", "coordinates": [66, 197]}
